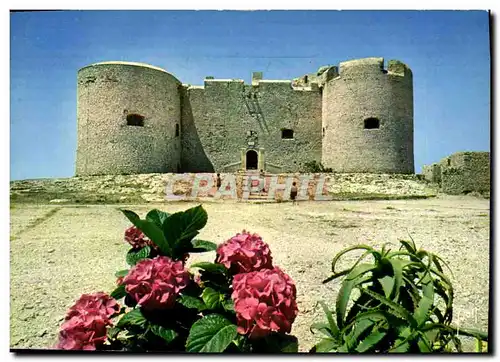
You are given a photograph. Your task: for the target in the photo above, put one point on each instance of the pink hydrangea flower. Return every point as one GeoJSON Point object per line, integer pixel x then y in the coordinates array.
{"type": "Point", "coordinates": [86, 321]}
{"type": "Point", "coordinates": [99, 303]}
{"type": "Point", "coordinates": [244, 253]}
{"type": "Point", "coordinates": [156, 283]}
{"type": "Point", "coordinates": [265, 302]}
{"type": "Point", "coordinates": [137, 239]}
{"type": "Point", "coordinates": [83, 332]}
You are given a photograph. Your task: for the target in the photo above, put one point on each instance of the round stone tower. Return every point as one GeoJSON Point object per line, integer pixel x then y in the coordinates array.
{"type": "Point", "coordinates": [128, 118]}
{"type": "Point", "coordinates": [368, 118]}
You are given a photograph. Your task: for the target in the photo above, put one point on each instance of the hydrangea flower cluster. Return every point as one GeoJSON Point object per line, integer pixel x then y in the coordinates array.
{"type": "Point", "coordinates": [264, 297]}
{"type": "Point", "coordinates": [156, 283]}
{"type": "Point", "coordinates": [244, 253]}
{"type": "Point", "coordinates": [137, 239]}
{"type": "Point", "coordinates": [265, 302]}
{"type": "Point", "coordinates": [86, 322]}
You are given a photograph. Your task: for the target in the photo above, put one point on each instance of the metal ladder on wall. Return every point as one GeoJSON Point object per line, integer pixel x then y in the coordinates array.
{"type": "Point", "coordinates": [253, 107]}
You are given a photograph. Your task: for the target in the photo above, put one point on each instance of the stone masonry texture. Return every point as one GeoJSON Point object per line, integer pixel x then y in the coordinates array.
{"type": "Point", "coordinates": [461, 173]}
{"type": "Point", "coordinates": [465, 172]}
{"type": "Point", "coordinates": [211, 128]}
{"type": "Point", "coordinates": [362, 90]}
{"type": "Point", "coordinates": [107, 94]}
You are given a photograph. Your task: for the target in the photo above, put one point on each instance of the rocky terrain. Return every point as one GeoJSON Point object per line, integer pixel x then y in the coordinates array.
{"type": "Point", "coordinates": [139, 189]}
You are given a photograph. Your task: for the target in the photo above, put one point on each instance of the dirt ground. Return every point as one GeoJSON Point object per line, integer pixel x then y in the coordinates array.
{"type": "Point", "coordinates": [58, 252]}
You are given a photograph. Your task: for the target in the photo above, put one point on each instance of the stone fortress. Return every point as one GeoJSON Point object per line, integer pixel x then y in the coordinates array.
{"type": "Point", "coordinates": [355, 118]}
{"type": "Point", "coordinates": [461, 173]}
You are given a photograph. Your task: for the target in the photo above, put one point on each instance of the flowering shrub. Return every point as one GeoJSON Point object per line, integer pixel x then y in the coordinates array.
{"type": "Point", "coordinates": [244, 253]}
{"type": "Point", "coordinates": [86, 321]}
{"type": "Point", "coordinates": [100, 302]}
{"type": "Point", "coordinates": [84, 331]}
{"type": "Point", "coordinates": [156, 283]}
{"type": "Point", "coordinates": [239, 303]}
{"type": "Point", "coordinates": [136, 238]}
{"type": "Point", "coordinates": [264, 302]}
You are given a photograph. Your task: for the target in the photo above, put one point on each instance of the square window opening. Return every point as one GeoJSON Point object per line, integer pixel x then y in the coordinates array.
{"type": "Point", "coordinates": [372, 123]}
{"type": "Point", "coordinates": [135, 120]}
{"type": "Point", "coordinates": [287, 134]}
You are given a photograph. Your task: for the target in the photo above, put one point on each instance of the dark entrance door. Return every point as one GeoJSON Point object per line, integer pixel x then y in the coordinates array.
{"type": "Point", "coordinates": [252, 160]}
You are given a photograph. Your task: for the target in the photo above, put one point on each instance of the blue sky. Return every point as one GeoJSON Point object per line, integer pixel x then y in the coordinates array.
{"type": "Point", "coordinates": [448, 52]}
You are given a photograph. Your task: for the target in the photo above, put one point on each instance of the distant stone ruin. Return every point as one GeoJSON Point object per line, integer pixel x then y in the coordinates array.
{"type": "Point", "coordinates": [461, 173]}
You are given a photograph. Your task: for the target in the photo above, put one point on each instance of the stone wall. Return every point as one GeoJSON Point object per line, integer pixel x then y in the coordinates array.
{"type": "Point", "coordinates": [465, 172]}
{"type": "Point", "coordinates": [365, 91]}
{"type": "Point", "coordinates": [225, 118]}
{"type": "Point", "coordinates": [432, 173]}
{"type": "Point", "coordinates": [107, 94]}
{"type": "Point", "coordinates": [215, 127]}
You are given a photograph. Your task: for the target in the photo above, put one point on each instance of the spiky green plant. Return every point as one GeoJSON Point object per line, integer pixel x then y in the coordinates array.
{"type": "Point", "coordinates": [405, 305]}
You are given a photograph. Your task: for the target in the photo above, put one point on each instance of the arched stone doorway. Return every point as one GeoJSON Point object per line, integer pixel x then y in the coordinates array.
{"type": "Point", "coordinates": [252, 160]}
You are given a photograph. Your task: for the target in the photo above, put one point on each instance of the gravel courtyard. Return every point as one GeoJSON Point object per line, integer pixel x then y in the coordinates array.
{"type": "Point", "coordinates": [58, 252]}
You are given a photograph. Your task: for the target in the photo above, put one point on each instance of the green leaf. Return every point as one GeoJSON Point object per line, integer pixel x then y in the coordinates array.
{"type": "Point", "coordinates": [354, 247]}
{"type": "Point", "coordinates": [228, 305]}
{"type": "Point", "coordinates": [181, 227]}
{"type": "Point", "coordinates": [357, 331]}
{"type": "Point", "coordinates": [411, 248]}
{"type": "Point", "coordinates": [132, 318]}
{"type": "Point", "coordinates": [436, 258]}
{"type": "Point", "coordinates": [322, 328]}
{"type": "Point", "coordinates": [335, 276]}
{"type": "Point", "coordinates": [281, 343]}
{"type": "Point", "coordinates": [133, 257]}
{"type": "Point", "coordinates": [424, 344]}
{"type": "Point", "coordinates": [157, 216]}
{"type": "Point", "coordinates": [401, 348]}
{"type": "Point", "coordinates": [401, 344]}
{"type": "Point", "coordinates": [397, 268]}
{"type": "Point", "coordinates": [211, 334]}
{"type": "Point", "coordinates": [471, 333]}
{"type": "Point", "coordinates": [396, 308]}
{"type": "Point", "coordinates": [119, 292]}
{"type": "Point", "coordinates": [202, 245]}
{"type": "Point", "coordinates": [151, 230]}
{"type": "Point", "coordinates": [387, 283]}
{"type": "Point", "coordinates": [167, 334]}
{"type": "Point", "coordinates": [345, 290]}
{"type": "Point", "coordinates": [211, 297]}
{"type": "Point", "coordinates": [121, 273]}
{"type": "Point", "coordinates": [428, 289]}
{"type": "Point", "coordinates": [369, 342]}
{"type": "Point", "coordinates": [362, 303]}
{"type": "Point", "coordinates": [195, 218]}
{"type": "Point", "coordinates": [210, 267]}
{"type": "Point", "coordinates": [432, 335]}
{"type": "Point", "coordinates": [155, 234]}
{"type": "Point", "coordinates": [132, 216]}
{"type": "Point", "coordinates": [192, 302]}
{"type": "Point", "coordinates": [334, 330]}
{"type": "Point", "coordinates": [113, 332]}
{"type": "Point", "coordinates": [326, 345]}
{"type": "Point", "coordinates": [422, 312]}
{"type": "Point", "coordinates": [373, 315]}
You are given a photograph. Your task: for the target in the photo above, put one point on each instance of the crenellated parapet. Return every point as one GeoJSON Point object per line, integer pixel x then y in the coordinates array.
{"type": "Point", "coordinates": [368, 117]}
{"type": "Point", "coordinates": [356, 116]}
